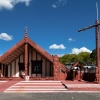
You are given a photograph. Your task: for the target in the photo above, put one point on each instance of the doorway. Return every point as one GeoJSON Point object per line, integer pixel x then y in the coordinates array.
{"type": "Point", "coordinates": [21, 70]}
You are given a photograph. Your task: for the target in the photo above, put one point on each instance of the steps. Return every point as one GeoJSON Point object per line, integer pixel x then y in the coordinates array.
{"type": "Point", "coordinates": [37, 87]}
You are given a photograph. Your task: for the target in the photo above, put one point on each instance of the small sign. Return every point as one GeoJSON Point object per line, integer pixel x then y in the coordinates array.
{"type": "Point", "coordinates": [26, 78]}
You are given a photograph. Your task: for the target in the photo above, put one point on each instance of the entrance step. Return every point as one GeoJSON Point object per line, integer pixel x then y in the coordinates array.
{"type": "Point", "coordinates": [37, 87]}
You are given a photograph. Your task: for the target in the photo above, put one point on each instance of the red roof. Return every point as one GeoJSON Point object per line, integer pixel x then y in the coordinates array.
{"type": "Point", "coordinates": [77, 64]}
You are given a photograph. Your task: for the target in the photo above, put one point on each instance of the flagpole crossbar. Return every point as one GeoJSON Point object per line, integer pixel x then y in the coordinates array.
{"type": "Point", "coordinates": [89, 27]}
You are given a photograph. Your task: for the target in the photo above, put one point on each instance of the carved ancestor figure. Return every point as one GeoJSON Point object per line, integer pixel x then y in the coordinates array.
{"type": "Point", "coordinates": [97, 76]}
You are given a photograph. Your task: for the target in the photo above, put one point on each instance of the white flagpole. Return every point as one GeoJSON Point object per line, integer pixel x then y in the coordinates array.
{"type": "Point", "coordinates": [97, 9]}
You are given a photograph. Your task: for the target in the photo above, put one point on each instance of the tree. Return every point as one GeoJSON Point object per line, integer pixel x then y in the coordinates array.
{"type": "Point", "coordinates": [67, 58]}
{"type": "Point", "coordinates": [82, 57]}
{"type": "Point", "coordinates": [93, 56]}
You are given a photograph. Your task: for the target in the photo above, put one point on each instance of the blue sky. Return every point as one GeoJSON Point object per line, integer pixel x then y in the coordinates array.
{"type": "Point", "coordinates": [52, 24]}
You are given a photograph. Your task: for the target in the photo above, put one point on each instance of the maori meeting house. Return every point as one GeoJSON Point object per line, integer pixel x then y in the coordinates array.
{"type": "Point", "coordinates": [27, 60]}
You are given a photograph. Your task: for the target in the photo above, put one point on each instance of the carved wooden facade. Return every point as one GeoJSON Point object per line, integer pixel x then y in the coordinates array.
{"type": "Point", "coordinates": [26, 58]}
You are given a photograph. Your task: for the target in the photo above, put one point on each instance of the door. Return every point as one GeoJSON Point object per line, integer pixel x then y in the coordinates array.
{"type": "Point", "coordinates": [21, 70]}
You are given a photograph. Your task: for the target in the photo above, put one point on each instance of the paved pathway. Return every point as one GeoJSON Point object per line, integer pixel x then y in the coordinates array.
{"type": "Point", "coordinates": [73, 86]}
{"type": "Point", "coordinates": [2, 82]}
{"type": "Point", "coordinates": [37, 87]}
{"type": "Point", "coordinates": [48, 86]}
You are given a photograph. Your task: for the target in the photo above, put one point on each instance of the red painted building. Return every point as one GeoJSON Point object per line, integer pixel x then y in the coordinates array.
{"type": "Point", "coordinates": [28, 60]}
{"type": "Point", "coordinates": [79, 72]}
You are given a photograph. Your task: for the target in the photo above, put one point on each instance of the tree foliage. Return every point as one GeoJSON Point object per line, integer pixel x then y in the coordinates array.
{"type": "Point", "coordinates": [93, 56]}
{"type": "Point", "coordinates": [83, 57]}
{"type": "Point", "coordinates": [68, 58]}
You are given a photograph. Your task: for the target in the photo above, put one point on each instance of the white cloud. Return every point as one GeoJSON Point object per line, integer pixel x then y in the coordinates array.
{"type": "Point", "coordinates": [27, 2]}
{"type": "Point", "coordinates": [54, 6]}
{"type": "Point", "coordinates": [59, 3]}
{"type": "Point", "coordinates": [70, 39]}
{"type": "Point", "coordinates": [9, 4]}
{"type": "Point", "coordinates": [6, 4]}
{"type": "Point", "coordinates": [5, 36]}
{"type": "Point", "coordinates": [55, 46]}
{"type": "Point", "coordinates": [79, 50]}
{"type": "Point", "coordinates": [60, 55]}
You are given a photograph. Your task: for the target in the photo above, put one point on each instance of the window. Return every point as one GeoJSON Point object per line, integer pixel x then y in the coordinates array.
{"type": "Point", "coordinates": [21, 66]}
{"type": "Point", "coordinates": [37, 67]}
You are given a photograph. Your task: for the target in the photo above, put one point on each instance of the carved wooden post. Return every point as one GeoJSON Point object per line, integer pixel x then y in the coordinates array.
{"type": "Point", "coordinates": [73, 74]}
{"type": "Point", "coordinates": [0, 70]}
{"type": "Point", "coordinates": [26, 55]}
{"type": "Point", "coordinates": [55, 66]}
{"type": "Point", "coordinates": [26, 59]}
{"type": "Point", "coordinates": [97, 52]}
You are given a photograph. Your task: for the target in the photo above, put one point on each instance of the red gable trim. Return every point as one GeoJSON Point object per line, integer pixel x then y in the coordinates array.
{"type": "Point", "coordinates": [22, 42]}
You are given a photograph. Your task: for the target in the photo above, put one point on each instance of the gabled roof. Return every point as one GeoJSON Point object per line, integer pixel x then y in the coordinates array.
{"type": "Point", "coordinates": [77, 64]}
{"type": "Point", "coordinates": [40, 50]}
{"type": "Point", "coordinates": [12, 53]}
{"type": "Point", "coordinates": [19, 48]}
